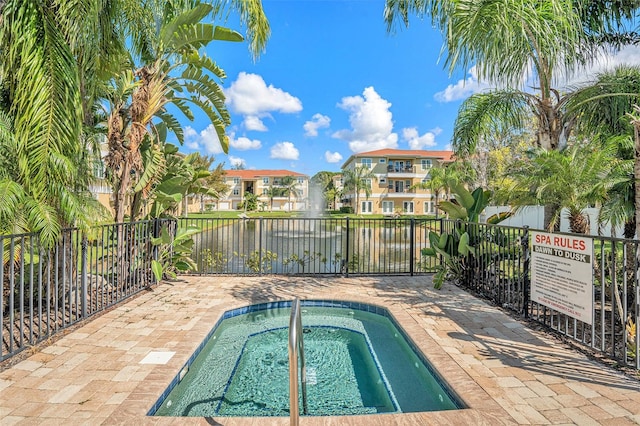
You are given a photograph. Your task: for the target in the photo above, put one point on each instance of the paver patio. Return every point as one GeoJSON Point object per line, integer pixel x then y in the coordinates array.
{"type": "Point", "coordinates": [505, 372]}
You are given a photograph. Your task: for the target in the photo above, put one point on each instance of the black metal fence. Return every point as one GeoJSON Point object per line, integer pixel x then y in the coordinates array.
{"type": "Point", "coordinates": [47, 290]}
{"type": "Point", "coordinates": [500, 271]}
{"type": "Point", "coordinates": [311, 246]}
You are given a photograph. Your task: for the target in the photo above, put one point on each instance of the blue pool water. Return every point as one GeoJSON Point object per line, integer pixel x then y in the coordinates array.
{"type": "Point", "coordinates": [358, 361]}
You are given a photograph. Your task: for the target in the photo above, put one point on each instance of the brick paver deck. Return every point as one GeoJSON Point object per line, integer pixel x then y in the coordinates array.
{"type": "Point", "coordinates": [505, 372]}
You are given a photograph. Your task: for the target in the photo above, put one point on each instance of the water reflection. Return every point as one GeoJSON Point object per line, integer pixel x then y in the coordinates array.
{"type": "Point", "coordinates": [313, 246]}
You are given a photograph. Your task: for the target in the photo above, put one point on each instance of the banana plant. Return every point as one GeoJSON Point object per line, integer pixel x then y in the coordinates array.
{"type": "Point", "coordinates": [454, 248]}
{"type": "Point", "coordinates": [177, 259]}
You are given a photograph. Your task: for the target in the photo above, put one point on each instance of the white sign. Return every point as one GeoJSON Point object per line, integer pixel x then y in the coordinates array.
{"type": "Point", "coordinates": [562, 274]}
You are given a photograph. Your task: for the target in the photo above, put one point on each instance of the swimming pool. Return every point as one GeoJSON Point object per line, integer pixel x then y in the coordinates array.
{"type": "Point", "coordinates": [358, 361]}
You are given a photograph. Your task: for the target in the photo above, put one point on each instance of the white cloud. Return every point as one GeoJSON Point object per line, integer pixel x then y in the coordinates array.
{"type": "Point", "coordinates": [332, 157]}
{"type": "Point", "coordinates": [284, 151]}
{"type": "Point", "coordinates": [252, 122]}
{"type": "Point", "coordinates": [371, 122]}
{"type": "Point", "coordinates": [237, 162]}
{"type": "Point", "coordinates": [244, 144]}
{"type": "Point", "coordinates": [318, 121]}
{"type": "Point", "coordinates": [207, 140]}
{"type": "Point", "coordinates": [250, 95]}
{"type": "Point", "coordinates": [417, 141]}
{"type": "Point", "coordinates": [462, 89]}
{"type": "Point", "coordinates": [629, 55]}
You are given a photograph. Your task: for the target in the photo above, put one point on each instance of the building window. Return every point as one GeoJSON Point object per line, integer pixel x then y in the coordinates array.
{"type": "Point", "coordinates": [387, 207]}
{"type": "Point", "coordinates": [236, 192]}
{"type": "Point", "coordinates": [429, 207]}
{"type": "Point", "coordinates": [407, 206]}
{"type": "Point", "coordinates": [383, 181]}
{"type": "Point", "coordinates": [265, 191]}
{"type": "Point", "coordinates": [426, 164]}
{"type": "Point", "coordinates": [366, 207]}
{"type": "Point", "coordinates": [368, 182]}
{"type": "Point", "coordinates": [265, 180]}
{"type": "Point", "coordinates": [98, 169]}
{"type": "Point", "coordinates": [366, 162]}
{"type": "Point", "coordinates": [236, 180]}
{"type": "Point", "coordinates": [383, 160]}
{"type": "Point", "coordinates": [300, 180]}
{"type": "Point", "coordinates": [276, 181]}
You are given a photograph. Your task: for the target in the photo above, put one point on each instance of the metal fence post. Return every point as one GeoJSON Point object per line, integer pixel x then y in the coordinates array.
{"type": "Point", "coordinates": [346, 265]}
{"type": "Point", "coordinates": [526, 284]}
{"type": "Point", "coordinates": [83, 272]}
{"type": "Point", "coordinates": [412, 244]}
{"type": "Point", "coordinates": [260, 245]}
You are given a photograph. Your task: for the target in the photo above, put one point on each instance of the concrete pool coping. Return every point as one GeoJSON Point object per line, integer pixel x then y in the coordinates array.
{"type": "Point", "coordinates": [504, 371]}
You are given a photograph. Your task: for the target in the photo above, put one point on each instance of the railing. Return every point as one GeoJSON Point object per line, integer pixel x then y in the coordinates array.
{"type": "Point", "coordinates": [500, 271]}
{"type": "Point", "coordinates": [309, 246]}
{"type": "Point", "coordinates": [398, 169]}
{"type": "Point", "coordinates": [45, 290]}
{"type": "Point", "coordinates": [296, 372]}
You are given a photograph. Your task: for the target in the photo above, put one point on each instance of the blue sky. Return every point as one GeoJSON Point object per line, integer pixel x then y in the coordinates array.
{"type": "Point", "coordinates": [333, 82]}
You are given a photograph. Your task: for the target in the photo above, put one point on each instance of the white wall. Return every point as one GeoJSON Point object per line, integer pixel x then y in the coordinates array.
{"type": "Point", "coordinates": [533, 216]}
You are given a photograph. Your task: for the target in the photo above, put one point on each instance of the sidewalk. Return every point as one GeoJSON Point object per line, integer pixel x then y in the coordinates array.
{"type": "Point", "coordinates": [505, 372]}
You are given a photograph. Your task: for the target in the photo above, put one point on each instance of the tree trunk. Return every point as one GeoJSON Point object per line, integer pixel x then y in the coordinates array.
{"type": "Point", "coordinates": [121, 191]}
{"type": "Point", "coordinates": [357, 202]}
{"type": "Point", "coordinates": [578, 222]}
{"type": "Point", "coordinates": [185, 206]}
{"type": "Point", "coordinates": [549, 212]}
{"type": "Point", "coordinates": [636, 175]}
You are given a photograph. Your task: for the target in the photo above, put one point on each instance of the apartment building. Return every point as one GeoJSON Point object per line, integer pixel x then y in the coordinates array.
{"type": "Point", "coordinates": [397, 172]}
{"type": "Point", "coordinates": [266, 185]}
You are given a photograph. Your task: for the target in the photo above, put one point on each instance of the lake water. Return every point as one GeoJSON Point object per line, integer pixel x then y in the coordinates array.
{"type": "Point", "coordinates": [310, 246]}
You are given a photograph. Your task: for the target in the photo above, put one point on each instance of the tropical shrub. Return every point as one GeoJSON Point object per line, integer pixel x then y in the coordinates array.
{"type": "Point", "coordinates": [456, 248]}
{"type": "Point", "coordinates": [174, 254]}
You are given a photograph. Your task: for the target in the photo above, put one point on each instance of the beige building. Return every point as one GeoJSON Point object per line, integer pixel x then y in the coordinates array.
{"type": "Point", "coordinates": [266, 184]}
{"type": "Point", "coordinates": [397, 172]}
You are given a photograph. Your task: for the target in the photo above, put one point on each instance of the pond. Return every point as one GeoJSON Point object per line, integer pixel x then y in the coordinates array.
{"type": "Point", "coordinates": [311, 246]}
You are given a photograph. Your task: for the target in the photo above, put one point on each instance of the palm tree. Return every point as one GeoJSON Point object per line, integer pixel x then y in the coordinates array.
{"type": "Point", "coordinates": [43, 88]}
{"type": "Point", "coordinates": [436, 182]}
{"type": "Point", "coordinates": [606, 107]}
{"type": "Point", "coordinates": [540, 40]}
{"type": "Point", "coordinates": [323, 181]}
{"type": "Point", "coordinates": [575, 178]}
{"type": "Point", "coordinates": [332, 194]}
{"type": "Point", "coordinates": [173, 72]}
{"type": "Point", "coordinates": [618, 209]}
{"type": "Point", "coordinates": [214, 181]}
{"type": "Point", "coordinates": [359, 179]}
{"type": "Point", "coordinates": [288, 186]}
{"type": "Point", "coordinates": [272, 192]}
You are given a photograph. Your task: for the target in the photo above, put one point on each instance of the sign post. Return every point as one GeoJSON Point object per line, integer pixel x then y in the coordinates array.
{"type": "Point", "coordinates": [562, 274]}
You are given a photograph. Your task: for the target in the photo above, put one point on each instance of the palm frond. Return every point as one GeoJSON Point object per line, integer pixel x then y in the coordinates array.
{"type": "Point", "coordinates": [484, 113]}
{"type": "Point", "coordinates": [252, 15]}
{"type": "Point", "coordinates": [42, 219]}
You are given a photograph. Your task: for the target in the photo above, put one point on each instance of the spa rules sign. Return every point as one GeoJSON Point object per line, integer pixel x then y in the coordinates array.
{"type": "Point", "coordinates": [561, 274]}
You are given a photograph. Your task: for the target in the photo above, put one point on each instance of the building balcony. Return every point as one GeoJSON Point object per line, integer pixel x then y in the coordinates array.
{"type": "Point", "coordinates": [402, 172]}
